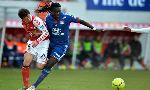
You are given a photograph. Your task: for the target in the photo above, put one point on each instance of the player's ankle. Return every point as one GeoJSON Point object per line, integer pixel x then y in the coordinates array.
{"type": "Point", "coordinates": [34, 86]}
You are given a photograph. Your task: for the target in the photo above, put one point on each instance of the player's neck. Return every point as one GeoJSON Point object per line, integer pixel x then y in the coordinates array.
{"type": "Point", "coordinates": [56, 20]}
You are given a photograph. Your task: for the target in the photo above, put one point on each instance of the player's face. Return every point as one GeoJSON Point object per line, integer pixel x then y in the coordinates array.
{"type": "Point", "coordinates": [27, 18]}
{"type": "Point", "coordinates": [56, 12]}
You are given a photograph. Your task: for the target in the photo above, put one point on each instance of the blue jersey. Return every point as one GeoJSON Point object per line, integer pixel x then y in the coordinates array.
{"type": "Point", "coordinates": [59, 31]}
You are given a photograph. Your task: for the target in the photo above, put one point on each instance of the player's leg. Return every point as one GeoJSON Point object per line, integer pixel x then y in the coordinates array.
{"type": "Point", "coordinates": [28, 57]}
{"type": "Point", "coordinates": [103, 60]}
{"type": "Point", "coordinates": [40, 66]}
{"type": "Point", "coordinates": [41, 51]}
{"type": "Point", "coordinates": [131, 61]}
{"type": "Point", "coordinates": [141, 62]}
{"type": "Point", "coordinates": [26, 69]}
{"type": "Point", "coordinates": [46, 70]}
{"type": "Point", "coordinates": [121, 61]}
{"type": "Point", "coordinates": [54, 57]}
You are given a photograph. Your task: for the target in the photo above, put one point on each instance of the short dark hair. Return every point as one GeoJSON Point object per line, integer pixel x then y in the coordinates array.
{"type": "Point", "coordinates": [23, 12]}
{"type": "Point", "coordinates": [54, 5]}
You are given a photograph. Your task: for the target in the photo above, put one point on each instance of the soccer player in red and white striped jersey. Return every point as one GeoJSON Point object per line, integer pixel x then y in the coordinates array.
{"type": "Point", "coordinates": [37, 45]}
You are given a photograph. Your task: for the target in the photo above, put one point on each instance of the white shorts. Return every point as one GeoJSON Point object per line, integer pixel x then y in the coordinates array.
{"type": "Point", "coordinates": [39, 52]}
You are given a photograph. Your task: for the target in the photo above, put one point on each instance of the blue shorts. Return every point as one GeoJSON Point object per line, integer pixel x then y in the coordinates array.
{"type": "Point", "coordinates": [57, 51]}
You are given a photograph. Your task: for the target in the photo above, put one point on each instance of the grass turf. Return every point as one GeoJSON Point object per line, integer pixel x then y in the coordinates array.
{"type": "Point", "coordinates": [10, 79]}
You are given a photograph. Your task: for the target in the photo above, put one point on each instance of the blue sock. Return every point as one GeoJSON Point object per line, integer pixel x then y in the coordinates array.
{"type": "Point", "coordinates": [44, 73]}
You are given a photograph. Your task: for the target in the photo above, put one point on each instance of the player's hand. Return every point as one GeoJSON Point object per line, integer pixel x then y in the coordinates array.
{"type": "Point", "coordinates": [94, 29]}
{"type": "Point", "coordinates": [98, 30]}
{"type": "Point", "coordinates": [101, 29]}
{"type": "Point", "coordinates": [127, 29]}
{"type": "Point", "coordinates": [34, 44]}
{"type": "Point", "coordinates": [44, 9]}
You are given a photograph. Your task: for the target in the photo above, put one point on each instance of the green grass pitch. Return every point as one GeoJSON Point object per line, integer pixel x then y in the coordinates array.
{"type": "Point", "coordinates": [10, 79]}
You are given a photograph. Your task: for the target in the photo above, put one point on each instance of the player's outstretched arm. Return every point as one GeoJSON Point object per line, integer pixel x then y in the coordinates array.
{"type": "Point", "coordinates": [141, 30]}
{"type": "Point", "coordinates": [86, 24]}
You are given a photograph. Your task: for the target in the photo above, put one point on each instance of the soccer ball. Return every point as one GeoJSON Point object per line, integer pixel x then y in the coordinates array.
{"type": "Point", "coordinates": [118, 84]}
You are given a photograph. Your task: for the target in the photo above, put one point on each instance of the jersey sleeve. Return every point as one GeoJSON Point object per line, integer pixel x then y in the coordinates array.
{"type": "Point", "coordinates": [72, 18]}
{"type": "Point", "coordinates": [141, 30]}
{"type": "Point", "coordinates": [39, 24]}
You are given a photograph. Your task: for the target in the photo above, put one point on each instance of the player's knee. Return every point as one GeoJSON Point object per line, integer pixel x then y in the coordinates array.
{"type": "Point", "coordinates": [40, 66]}
{"type": "Point", "coordinates": [27, 59]}
{"type": "Point", "coordinates": [51, 62]}
{"type": "Point", "coordinates": [28, 55]}
{"type": "Point", "coordinates": [26, 64]}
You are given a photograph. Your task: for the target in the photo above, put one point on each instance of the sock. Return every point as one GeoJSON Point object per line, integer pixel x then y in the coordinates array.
{"type": "Point", "coordinates": [26, 75]}
{"type": "Point", "coordinates": [44, 74]}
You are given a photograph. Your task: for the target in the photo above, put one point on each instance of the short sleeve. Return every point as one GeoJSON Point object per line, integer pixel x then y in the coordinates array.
{"type": "Point", "coordinates": [72, 18]}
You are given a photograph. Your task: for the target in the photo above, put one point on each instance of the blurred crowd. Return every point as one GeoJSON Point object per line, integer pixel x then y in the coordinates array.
{"type": "Point", "coordinates": [102, 52]}
{"type": "Point", "coordinates": [13, 51]}
{"type": "Point", "coordinates": [99, 52]}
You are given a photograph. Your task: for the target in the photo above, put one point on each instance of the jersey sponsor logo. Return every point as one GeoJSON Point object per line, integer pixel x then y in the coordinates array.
{"type": "Point", "coordinates": [56, 31]}
{"type": "Point", "coordinates": [61, 22]}
{"type": "Point", "coordinates": [37, 22]}
{"type": "Point", "coordinates": [62, 34]}
{"type": "Point", "coordinates": [43, 37]}
{"type": "Point", "coordinates": [42, 27]}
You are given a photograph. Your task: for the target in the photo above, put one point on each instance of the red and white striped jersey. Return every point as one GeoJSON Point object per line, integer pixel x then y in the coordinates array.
{"type": "Point", "coordinates": [36, 29]}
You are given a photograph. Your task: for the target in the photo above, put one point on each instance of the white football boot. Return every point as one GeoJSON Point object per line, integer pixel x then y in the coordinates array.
{"type": "Point", "coordinates": [31, 88]}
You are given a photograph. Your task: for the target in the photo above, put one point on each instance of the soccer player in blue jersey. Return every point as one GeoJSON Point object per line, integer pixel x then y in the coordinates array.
{"type": "Point", "coordinates": [58, 25]}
